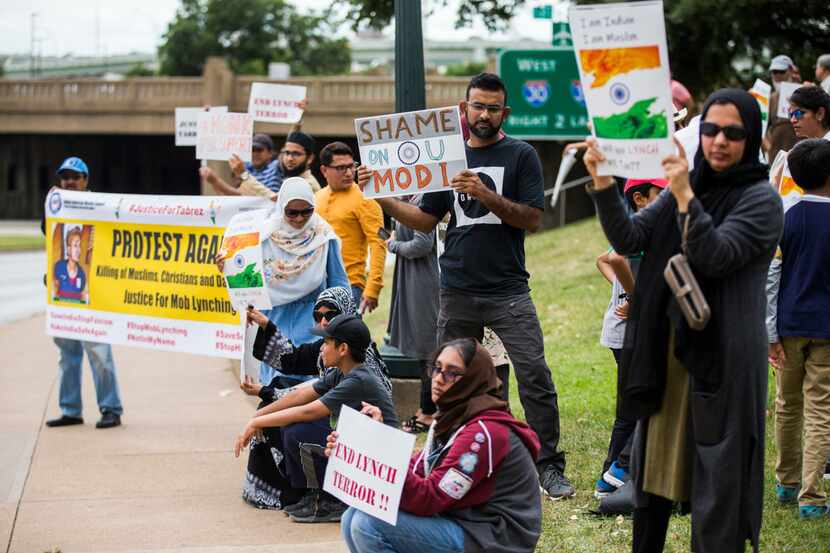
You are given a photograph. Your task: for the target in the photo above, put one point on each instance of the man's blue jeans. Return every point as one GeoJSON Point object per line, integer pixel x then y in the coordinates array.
{"type": "Point", "coordinates": [103, 374]}
{"type": "Point", "coordinates": [413, 534]}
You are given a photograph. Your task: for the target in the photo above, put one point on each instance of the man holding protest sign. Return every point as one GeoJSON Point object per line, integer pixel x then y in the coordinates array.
{"type": "Point", "coordinates": [264, 169]}
{"type": "Point", "coordinates": [483, 277]}
{"type": "Point", "coordinates": [779, 135]}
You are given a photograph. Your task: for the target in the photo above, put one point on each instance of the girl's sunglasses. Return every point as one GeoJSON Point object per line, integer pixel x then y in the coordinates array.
{"type": "Point", "coordinates": [797, 114]}
{"type": "Point", "coordinates": [328, 315]}
{"type": "Point", "coordinates": [448, 375]}
{"type": "Point", "coordinates": [294, 213]}
{"type": "Point", "coordinates": [731, 132]}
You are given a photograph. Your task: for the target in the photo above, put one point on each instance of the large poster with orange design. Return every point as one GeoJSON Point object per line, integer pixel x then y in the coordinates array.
{"type": "Point", "coordinates": [139, 270]}
{"type": "Point", "coordinates": [624, 69]}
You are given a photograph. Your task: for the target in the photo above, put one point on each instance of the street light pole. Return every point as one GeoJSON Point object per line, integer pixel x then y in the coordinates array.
{"type": "Point", "coordinates": [410, 87]}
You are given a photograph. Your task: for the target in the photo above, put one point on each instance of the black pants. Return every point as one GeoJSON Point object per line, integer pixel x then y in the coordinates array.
{"type": "Point", "coordinates": [426, 404]}
{"type": "Point", "coordinates": [514, 320]}
{"type": "Point", "coordinates": [651, 524]}
{"type": "Point", "coordinates": [619, 447]}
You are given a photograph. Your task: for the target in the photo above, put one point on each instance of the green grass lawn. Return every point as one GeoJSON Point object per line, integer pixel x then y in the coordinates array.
{"type": "Point", "coordinates": [15, 243]}
{"type": "Point", "coordinates": [570, 297]}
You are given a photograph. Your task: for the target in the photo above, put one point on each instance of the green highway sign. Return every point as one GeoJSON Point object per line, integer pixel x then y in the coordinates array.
{"type": "Point", "coordinates": [543, 12]}
{"type": "Point", "coordinates": [562, 34]}
{"type": "Point", "coordinates": [544, 94]}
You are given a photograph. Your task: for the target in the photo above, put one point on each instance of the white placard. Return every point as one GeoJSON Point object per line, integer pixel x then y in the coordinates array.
{"type": "Point", "coordinates": [187, 123]}
{"type": "Point", "coordinates": [415, 152]}
{"type": "Point", "coordinates": [276, 103]}
{"type": "Point", "coordinates": [368, 466]}
{"type": "Point", "coordinates": [219, 135]}
{"type": "Point", "coordinates": [624, 69]}
{"type": "Point", "coordinates": [249, 365]}
{"type": "Point", "coordinates": [244, 270]}
{"type": "Point", "coordinates": [784, 92]}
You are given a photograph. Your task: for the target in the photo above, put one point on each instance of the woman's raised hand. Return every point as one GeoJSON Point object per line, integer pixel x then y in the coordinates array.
{"type": "Point", "coordinates": [677, 173]}
{"type": "Point", "coordinates": [592, 158]}
{"type": "Point", "coordinates": [254, 316]}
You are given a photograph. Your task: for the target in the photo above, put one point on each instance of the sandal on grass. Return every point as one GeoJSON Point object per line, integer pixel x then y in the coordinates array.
{"type": "Point", "coordinates": [414, 426]}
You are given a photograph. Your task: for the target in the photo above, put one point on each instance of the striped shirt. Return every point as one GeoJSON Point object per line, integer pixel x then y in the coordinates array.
{"type": "Point", "coordinates": [270, 175]}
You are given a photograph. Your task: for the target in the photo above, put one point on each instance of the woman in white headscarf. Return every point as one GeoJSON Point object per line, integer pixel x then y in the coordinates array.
{"type": "Point", "coordinates": [302, 258]}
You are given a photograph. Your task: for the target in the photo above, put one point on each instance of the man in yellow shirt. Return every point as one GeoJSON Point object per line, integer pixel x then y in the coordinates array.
{"type": "Point", "coordinates": [356, 221]}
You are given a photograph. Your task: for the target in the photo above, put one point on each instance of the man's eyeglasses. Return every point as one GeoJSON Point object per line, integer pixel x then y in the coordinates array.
{"type": "Point", "coordinates": [797, 114]}
{"type": "Point", "coordinates": [328, 315]}
{"type": "Point", "coordinates": [294, 213]}
{"type": "Point", "coordinates": [291, 153]}
{"type": "Point", "coordinates": [492, 109]}
{"type": "Point", "coordinates": [448, 375]}
{"type": "Point", "coordinates": [734, 133]}
{"type": "Point", "coordinates": [343, 168]}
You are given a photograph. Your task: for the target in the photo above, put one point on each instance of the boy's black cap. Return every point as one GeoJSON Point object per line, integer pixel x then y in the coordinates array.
{"type": "Point", "coordinates": [346, 328]}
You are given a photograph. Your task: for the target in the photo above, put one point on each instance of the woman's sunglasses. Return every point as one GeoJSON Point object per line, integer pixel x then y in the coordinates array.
{"type": "Point", "coordinates": [328, 315]}
{"type": "Point", "coordinates": [731, 132]}
{"type": "Point", "coordinates": [448, 375]}
{"type": "Point", "coordinates": [797, 114]}
{"type": "Point", "coordinates": [294, 213]}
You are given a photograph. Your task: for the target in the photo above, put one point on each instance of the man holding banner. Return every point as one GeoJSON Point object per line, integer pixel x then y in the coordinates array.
{"type": "Point", "coordinates": [483, 277]}
{"type": "Point", "coordinates": [71, 284]}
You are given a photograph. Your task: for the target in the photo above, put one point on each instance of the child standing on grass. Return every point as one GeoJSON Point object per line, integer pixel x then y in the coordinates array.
{"type": "Point", "coordinates": [620, 271]}
{"type": "Point", "coordinates": [801, 350]}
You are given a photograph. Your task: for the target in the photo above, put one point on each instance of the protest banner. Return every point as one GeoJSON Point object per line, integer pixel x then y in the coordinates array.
{"type": "Point", "coordinates": [219, 135]}
{"type": "Point", "coordinates": [187, 123]}
{"type": "Point", "coordinates": [243, 260]}
{"type": "Point", "coordinates": [276, 103]}
{"type": "Point", "coordinates": [367, 467]}
{"type": "Point", "coordinates": [784, 92]}
{"type": "Point", "coordinates": [139, 270]}
{"type": "Point", "coordinates": [415, 152]}
{"type": "Point", "coordinates": [624, 69]}
{"type": "Point", "coordinates": [761, 91]}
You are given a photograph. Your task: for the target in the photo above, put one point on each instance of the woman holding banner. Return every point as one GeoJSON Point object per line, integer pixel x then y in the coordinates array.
{"type": "Point", "coordinates": [474, 485]}
{"type": "Point", "coordinates": [699, 395]}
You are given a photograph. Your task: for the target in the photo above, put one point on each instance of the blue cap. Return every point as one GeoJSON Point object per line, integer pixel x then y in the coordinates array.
{"type": "Point", "coordinates": [74, 164]}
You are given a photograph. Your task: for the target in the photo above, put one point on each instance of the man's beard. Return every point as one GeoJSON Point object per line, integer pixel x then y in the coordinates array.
{"type": "Point", "coordinates": [484, 134]}
{"type": "Point", "coordinates": [297, 171]}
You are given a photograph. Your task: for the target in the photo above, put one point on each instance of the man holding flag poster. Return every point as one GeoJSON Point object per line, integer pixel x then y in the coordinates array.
{"type": "Point", "coordinates": [484, 282]}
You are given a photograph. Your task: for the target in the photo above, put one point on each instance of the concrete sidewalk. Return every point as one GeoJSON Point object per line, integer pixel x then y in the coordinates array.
{"type": "Point", "coordinates": [166, 481]}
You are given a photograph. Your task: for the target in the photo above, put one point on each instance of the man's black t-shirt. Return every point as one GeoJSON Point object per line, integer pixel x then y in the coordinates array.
{"type": "Point", "coordinates": [483, 256]}
{"type": "Point", "coordinates": [360, 384]}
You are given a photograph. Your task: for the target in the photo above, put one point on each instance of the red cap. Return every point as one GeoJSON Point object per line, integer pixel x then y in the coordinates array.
{"type": "Point", "coordinates": [631, 183]}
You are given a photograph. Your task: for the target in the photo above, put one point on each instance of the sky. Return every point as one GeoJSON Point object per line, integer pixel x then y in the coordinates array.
{"type": "Point", "coordinates": [63, 27]}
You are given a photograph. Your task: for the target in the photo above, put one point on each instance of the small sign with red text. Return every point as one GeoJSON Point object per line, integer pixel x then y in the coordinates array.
{"type": "Point", "coordinates": [368, 465]}
{"type": "Point", "coordinates": [276, 103]}
{"type": "Point", "coordinates": [220, 135]}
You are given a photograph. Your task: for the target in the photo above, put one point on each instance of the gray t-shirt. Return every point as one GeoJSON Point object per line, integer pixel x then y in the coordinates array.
{"type": "Point", "coordinates": [613, 328]}
{"type": "Point", "coordinates": [360, 384]}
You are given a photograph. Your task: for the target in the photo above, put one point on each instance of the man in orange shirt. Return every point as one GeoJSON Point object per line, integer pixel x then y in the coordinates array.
{"type": "Point", "coordinates": [356, 221]}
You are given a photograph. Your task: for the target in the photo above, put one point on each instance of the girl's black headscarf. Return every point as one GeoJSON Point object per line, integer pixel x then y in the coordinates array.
{"type": "Point", "coordinates": [653, 311]}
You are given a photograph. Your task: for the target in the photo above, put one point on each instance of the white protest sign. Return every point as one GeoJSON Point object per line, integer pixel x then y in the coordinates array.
{"type": "Point", "coordinates": [244, 270]}
{"type": "Point", "coordinates": [761, 91]}
{"type": "Point", "coordinates": [219, 135]}
{"type": "Point", "coordinates": [276, 103]}
{"type": "Point", "coordinates": [414, 152]}
{"type": "Point", "coordinates": [368, 466]}
{"type": "Point", "coordinates": [624, 69]}
{"type": "Point", "coordinates": [784, 92]}
{"type": "Point", "coordinates": [187, 123]}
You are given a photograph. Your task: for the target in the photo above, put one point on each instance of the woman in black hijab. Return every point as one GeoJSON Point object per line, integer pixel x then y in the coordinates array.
{"type": "Point", "coordinates": [699, 395]}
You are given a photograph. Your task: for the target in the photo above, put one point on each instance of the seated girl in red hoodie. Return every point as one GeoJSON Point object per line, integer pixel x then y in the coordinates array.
{"type": "Point", "coordinates": [474, 486]}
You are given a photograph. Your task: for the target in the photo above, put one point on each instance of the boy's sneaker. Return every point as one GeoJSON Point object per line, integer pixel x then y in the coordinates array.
{"type": "Point", "coordinates": [786, 494]}
{"type": "Point", "coordinates": [812, 511]}
{"type": "Point", "coordinates": [603, 488]}
{"type": "Point", "coordinates": [616, 475]}
{"type": "Point", "coordinates": [326, 509]}
{"type": "Point", "coordinates": [554, 484]}
{"type": "Point", "coordinates": [305, 504]}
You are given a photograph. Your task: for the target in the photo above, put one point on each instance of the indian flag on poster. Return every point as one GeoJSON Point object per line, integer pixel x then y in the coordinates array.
{"type": "Point", "coordinates": [624, 68]}
{"type": "Point", "coordinates": [761, 92]}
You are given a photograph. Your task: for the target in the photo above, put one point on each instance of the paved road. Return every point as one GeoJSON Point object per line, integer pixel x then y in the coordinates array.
{"type": "Point", "coordinates": [21, 285]}
{"type": "Point", "coordinates": [166, 481]}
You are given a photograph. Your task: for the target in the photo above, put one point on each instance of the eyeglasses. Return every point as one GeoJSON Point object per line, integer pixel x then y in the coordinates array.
{"type": "Point", "coordinates": [448, 375]}
{"type": "Point", "coordinates": [293, 213]}
{"type": "Point", "coordinates": [492, 109]}
{"type": "Point", "coordinates": [734, 133]}
{"type": "Point", "coordinates": [343, 168]}
{"type": "Point", "coordinates": [328, 315]}
{"type": "Point", "coordinates": [797, 114]}
{"type": "Point", "coordinates": [291, 153]}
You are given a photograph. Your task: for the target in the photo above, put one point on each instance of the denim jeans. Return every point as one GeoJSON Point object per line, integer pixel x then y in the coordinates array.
{"type": "Point", "coordinates": [357, 295]}
{"type": "Point", "coordinates": [366, 534]}
{"type": "Point", "coordinates": [103, 374]}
